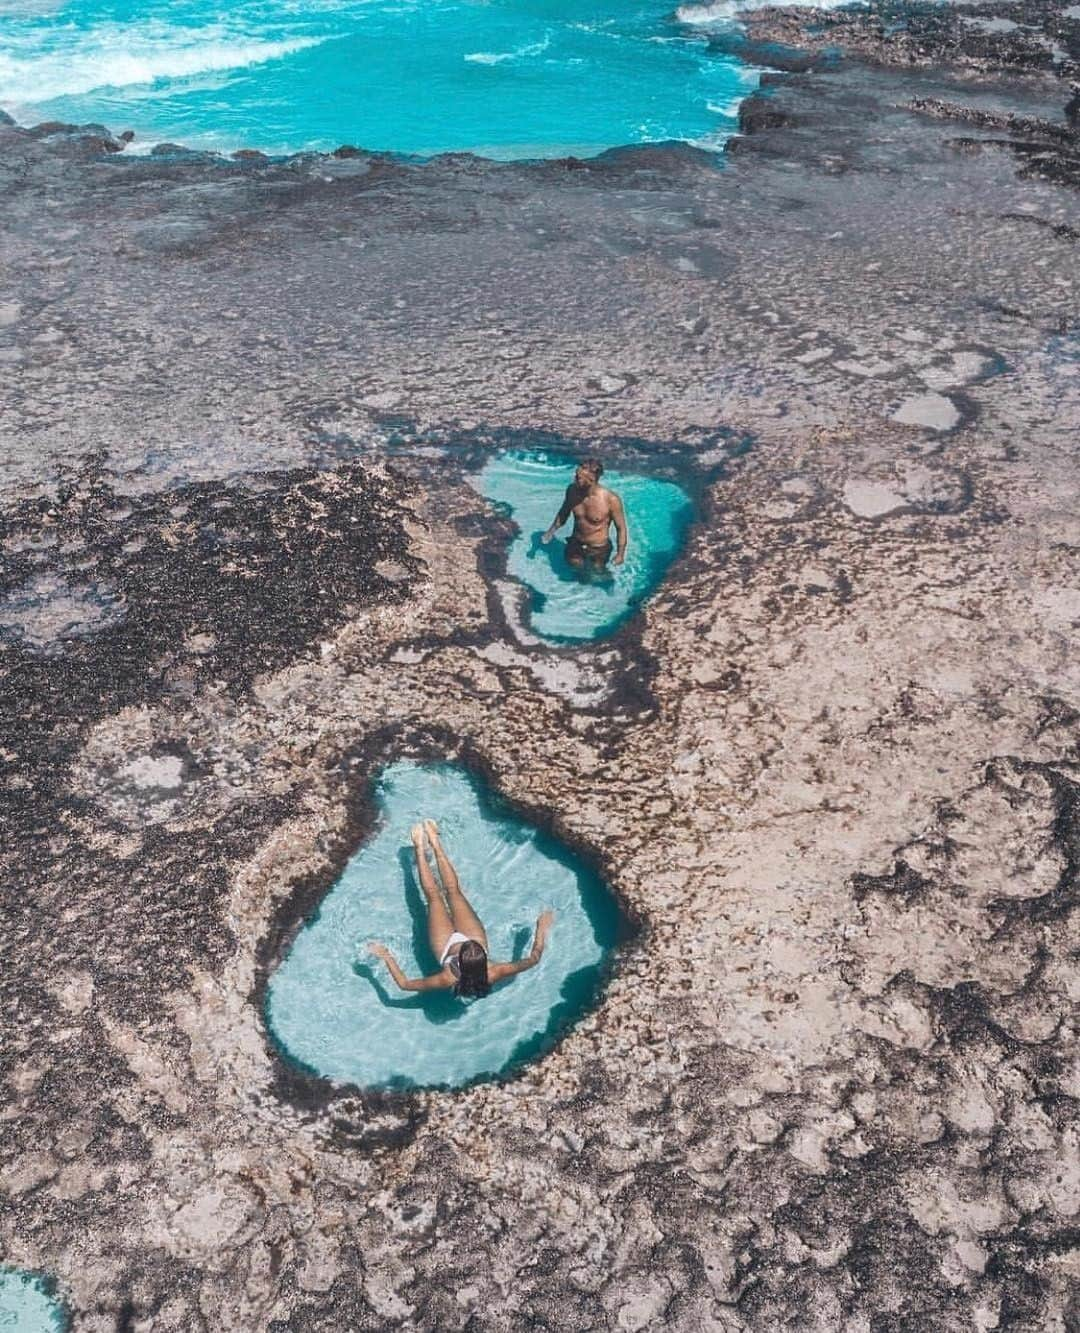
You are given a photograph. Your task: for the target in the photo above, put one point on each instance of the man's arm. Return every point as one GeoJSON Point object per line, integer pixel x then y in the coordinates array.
{"type": "Point", "coordinates": [618, 517]}
{"type": "Point", "coordinates": [561, 517]}
{"type": "Point", "coordinates": [500, 971]}
{"type": "Point", "coordinates": [437, 982]}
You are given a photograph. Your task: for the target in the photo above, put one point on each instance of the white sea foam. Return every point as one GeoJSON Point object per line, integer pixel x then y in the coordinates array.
{"type": "Point", "coordinates": [749, 77]}
{"type": "Point", "coordinates": [714, 13]}
{"type": "Point", "coordinates": [502, 57]}
{"type": "Point", "coordinates": [25, 9]}
{"type": "Point", "coordinates": [118, 57]}
{"type": "Point", "coordinates": [729, 108]}
{"type": "Point", "coordinates": [717, 11]}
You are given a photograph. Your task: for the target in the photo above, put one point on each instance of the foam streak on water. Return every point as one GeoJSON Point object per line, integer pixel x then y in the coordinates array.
{"type": "Point", "coordinates": [507, 78]}
{"type": "Point", "coordinates": [334, 1009]}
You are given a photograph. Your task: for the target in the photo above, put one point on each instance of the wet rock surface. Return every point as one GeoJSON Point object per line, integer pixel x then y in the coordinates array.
{"type": "Point", "coordinates": [1021, 37]}
{"type": "Point", "coordinates": [832, 770]}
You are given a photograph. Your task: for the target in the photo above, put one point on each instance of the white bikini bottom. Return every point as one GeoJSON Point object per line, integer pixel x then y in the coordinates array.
{"type": "Point", "coordinates": [456, 937]}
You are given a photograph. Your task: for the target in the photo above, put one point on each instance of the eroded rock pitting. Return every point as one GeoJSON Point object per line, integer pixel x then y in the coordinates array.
{"type": "Point", "coordinates": [46, 611]}
{"type": "Point", "coordinates": [566, 605]}
{"type": "Point", "coordinates": [334, 1010]}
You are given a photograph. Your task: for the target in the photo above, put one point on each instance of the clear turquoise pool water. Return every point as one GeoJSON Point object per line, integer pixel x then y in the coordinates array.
{"type": "Point", "coordinates": [335, 1011]}
{"type": "Point", "coordinates": [504, 78]}
{"type": "Point", "coordinates": [26, 1305]}
{"type": "Point", "coordinates": [565, 605]}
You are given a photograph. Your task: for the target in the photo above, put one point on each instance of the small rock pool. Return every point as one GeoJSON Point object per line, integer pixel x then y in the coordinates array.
{"type": "Point", "coordinates": [28, 1305]}
{"type": "Point", "coordinates": [566, 605]}
{"type": "Point", "coordinates": [334, 1010]}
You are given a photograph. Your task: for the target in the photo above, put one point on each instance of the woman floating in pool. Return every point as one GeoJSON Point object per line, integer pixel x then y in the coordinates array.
{"type": "Point", "coordinates": [458, 939]}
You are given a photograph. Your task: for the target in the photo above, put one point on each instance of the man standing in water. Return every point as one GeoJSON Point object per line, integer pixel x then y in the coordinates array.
{"type": "Point", "coordinates": [594, 509]}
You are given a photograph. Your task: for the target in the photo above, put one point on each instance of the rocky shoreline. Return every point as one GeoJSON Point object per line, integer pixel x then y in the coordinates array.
{"type": "Point", "coordinates": [831, 771]}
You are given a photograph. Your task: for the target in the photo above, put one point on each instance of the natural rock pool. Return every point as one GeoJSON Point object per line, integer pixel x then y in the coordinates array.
{"type": "Point", "coordinates": [27, 1305]}
{"type": "Point", "coordinates": [566, 605]}
{"type": "Point", "coordinates": [335, 1011]}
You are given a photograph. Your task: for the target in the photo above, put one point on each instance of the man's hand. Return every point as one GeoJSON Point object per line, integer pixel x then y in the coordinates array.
{"type": "Point", "coordinates": [618, 517]}
{"type": "Point", "coordinates": [546, 537]}
{"type": "Point", "coordinates": [379, 950]}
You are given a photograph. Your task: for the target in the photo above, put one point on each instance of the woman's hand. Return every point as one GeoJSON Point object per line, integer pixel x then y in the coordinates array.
{"type": "Point", "coordinates": [379, 950]}
{"type": "Point", "coordinates": [543, 925]}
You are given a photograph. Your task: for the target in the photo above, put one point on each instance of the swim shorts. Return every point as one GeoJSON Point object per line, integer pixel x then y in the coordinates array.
{"type": "Point", "coordinates": [597, 555]}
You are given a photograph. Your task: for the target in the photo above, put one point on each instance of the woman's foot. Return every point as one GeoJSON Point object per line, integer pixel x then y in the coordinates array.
{"type": "Point", "coordinates": [432, 830]}
{"type": "Point", "coordinates": [417, 833]}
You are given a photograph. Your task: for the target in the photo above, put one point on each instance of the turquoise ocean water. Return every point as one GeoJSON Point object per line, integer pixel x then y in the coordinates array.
{"type": "Point", "coordinates": [26, 1306]}
{"type": "Point", "coordinates": [503, 78]}
{"type": "Point", "coordinates": [565, 605]}
{"type": "Point", "coordinates": [334, 1009]}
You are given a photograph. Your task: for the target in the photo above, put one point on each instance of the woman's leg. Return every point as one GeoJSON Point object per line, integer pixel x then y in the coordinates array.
{"type": "Point", "coordinates": [465, 919]}
{"type": "Point", "coordinates": [440, 926]}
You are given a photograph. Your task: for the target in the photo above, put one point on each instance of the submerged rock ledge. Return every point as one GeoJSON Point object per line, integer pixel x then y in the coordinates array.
{"type": "Point", "coordinates": [833, 1081]}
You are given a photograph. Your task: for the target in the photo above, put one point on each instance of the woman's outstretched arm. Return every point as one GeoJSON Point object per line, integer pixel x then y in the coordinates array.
{"type": "Point", "coordinates": [438, 981]}
{"type": "Point", "coordinates": [500, 971]}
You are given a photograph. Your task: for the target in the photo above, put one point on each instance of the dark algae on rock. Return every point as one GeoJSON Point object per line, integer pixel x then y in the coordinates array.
{"type": "Point", "coordinates": [168, 592]}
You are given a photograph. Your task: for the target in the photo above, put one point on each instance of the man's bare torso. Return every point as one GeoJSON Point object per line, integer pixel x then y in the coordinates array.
{"type": "Point", "coordinates": [595, 510]}
{"type": "Point", "coordinates": [593, 517]}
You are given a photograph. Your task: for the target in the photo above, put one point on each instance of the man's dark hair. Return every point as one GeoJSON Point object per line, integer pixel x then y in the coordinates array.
{"type": "Point", "coordinates": [473, 962]}
{"type": "Point", "coordinates": [594, 466]}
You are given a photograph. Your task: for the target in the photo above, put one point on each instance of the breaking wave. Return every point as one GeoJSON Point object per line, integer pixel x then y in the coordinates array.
{"type": "Point", "coordinates": [118, 57]}
{"type": "Point", "coordinates": [715, 12]}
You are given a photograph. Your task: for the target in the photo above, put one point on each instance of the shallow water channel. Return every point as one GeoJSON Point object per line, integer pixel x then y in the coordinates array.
{"type": "Point", "coordinates": [567, 605]}
{"type": "Point", "coordinates": [335, 1011]}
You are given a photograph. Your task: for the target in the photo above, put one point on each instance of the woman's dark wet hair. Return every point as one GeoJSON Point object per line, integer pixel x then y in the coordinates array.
{"type": "Point", "coordinates": [473, 962]}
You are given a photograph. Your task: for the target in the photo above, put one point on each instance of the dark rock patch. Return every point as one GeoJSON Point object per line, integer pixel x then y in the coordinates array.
{"type": "Point", "coordinates": [919, 35]}
{"type": "Point", "coordinates": [759, 112]}
{"type": "Point", "coordinates": [219, 582]}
